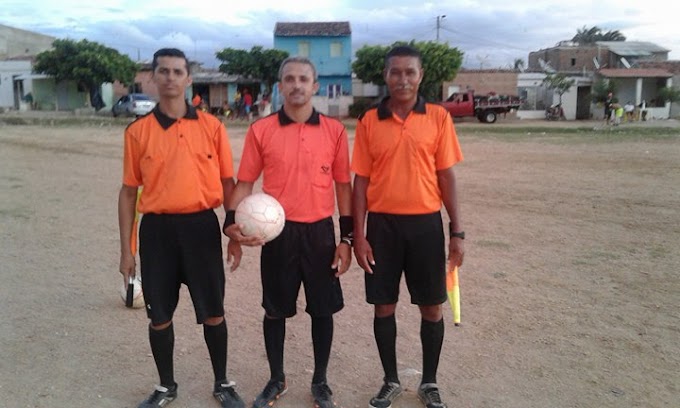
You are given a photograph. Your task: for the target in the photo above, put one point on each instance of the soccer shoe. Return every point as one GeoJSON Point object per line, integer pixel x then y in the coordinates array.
{"type": "Point", "coordinates": [271, 392]}
{"type": "Point", "coordinates": [226, 395]}
{"type": "Point", "coordinates": [161, 397]}
{"type": "Point", "coordinates": [323, 396]}
{"type": "Point", "coordinates": [388, 393]}
{"type": "Point", "coordinates": [429, 395]}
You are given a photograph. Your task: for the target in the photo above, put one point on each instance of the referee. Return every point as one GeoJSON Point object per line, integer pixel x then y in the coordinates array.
{"type": "Point", "coordinates": [302, 154]}
{"type": "Point", "coordinates": [183, 160]}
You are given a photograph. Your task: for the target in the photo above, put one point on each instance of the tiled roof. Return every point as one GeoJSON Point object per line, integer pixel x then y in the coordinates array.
{"type": "Point", "coordinates": [635, 73]}
{"type": "Point", "coordinates": [335, 28]}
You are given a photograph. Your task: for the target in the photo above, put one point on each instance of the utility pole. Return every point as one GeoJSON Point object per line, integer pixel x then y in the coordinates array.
{"type": "Point", "coordinates": [439, 24]}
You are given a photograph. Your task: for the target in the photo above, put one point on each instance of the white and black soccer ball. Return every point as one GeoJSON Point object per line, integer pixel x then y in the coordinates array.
{"type": "Point", "coordinates": [137, 294]}
{"type": "Point", "coordinates": [260, 215]}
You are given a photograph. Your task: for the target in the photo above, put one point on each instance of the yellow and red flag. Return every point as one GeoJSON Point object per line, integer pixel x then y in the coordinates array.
{"type": "Point", "coordinates": [453, 292]}
{"type": "Point", "coordinates": [133, 237]}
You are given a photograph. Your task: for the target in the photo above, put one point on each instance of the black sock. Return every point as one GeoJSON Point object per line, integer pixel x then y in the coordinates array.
{"type": "Point", "coordinates": [162, 345]}
{"type": "Point", "coordinates": [216, 340]}
{"type": "Point", "coordinates": [431, 337]}
{"type": "Point", "coordinates": [322, 339]}
{"type": "Point", "coordinates": [385, 331]}
{"type": "Point", "coordinates": [274, 337]}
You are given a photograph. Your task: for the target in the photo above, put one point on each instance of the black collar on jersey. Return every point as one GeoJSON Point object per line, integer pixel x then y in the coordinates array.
{"type": "Point", "coordinates": [385, 113]}
{"type": "Point", "coordinates": [166, 121]}
{"type": "Point", "coordinates": [284, 119]}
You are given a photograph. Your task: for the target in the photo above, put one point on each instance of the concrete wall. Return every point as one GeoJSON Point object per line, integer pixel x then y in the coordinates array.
{"type": "Point", "coordinates": [15, 42]}
{"type": "Point", "coordinates": [8, 71]}
{"type": "Point", "coordinates": [483, 82]}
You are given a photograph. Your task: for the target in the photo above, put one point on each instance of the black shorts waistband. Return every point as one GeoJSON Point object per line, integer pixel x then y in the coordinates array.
{"type": "Point", "coordinates": [196, 214]}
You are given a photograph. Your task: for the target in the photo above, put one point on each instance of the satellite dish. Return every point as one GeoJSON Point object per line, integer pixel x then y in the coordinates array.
{"type": "Point", "coordinates": [596, 63]}
{"type": "Point", "coordinates": [625, 62]}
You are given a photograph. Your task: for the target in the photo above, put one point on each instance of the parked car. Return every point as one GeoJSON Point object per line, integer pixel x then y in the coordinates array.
{"type": "Point", "coordinates": [485, 108]}
{"type": "Point", "coordinates": [137, 104]}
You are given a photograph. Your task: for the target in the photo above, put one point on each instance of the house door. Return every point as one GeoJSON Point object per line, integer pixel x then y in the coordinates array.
{"type": "Point", "coordinates": [583, 98]}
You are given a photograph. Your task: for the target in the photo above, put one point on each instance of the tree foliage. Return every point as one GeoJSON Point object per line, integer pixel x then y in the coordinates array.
{"type": "Point", "coordinates": [440, 62]}
{"type": "Point", "coordinates": [593, 34]}
{"type": "Point", "coordinates": [88, 63]}
{"type": "Point", "coordinates": [257, 63]}
{"type": "Point", "coordinates": [558, 82]}
{"type": "Point", "coordinates": [601, 88]}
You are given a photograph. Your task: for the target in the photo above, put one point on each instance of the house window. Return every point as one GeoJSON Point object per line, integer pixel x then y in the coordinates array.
{"type": "Point", "coordinates": [303, 48]}
{"type": "Point", "coordinates": [573, 62]}
{"type": "Point", "coordinates": [336, 49]}
{"type": "Point", "coordinates": [334, 91]}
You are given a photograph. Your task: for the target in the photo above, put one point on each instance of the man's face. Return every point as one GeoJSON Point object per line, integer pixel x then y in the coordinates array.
{"type": "Point", "coordinates": [403, 75]}
{"type": "Point", "coordinates": [297, 84]}
{"type": "Point", "coordinates": [171, 77]}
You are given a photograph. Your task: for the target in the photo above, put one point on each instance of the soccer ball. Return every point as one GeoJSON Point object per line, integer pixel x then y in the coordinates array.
{"type": "Point", "coordinates": [137, 297]}
{"type": "Point", "coordinates": [260, 215]}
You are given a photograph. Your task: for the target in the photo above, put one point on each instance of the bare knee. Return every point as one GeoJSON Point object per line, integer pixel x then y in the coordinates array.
{"type": "Point", "coordinates": [213, 321]}
{"type": "Point", "coordinates": [161, 326]}
{"type": "Point", "coordinates": [431, 313]}
{"type": "Point", "coordinates": [385, 310]}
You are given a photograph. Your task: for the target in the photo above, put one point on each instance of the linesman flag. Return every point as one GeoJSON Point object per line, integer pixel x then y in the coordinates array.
{"type": "Point", "coordinates": [453, 292]}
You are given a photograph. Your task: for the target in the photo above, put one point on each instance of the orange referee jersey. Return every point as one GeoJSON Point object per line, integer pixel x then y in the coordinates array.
{"type": "Point", "coordinates": [180, 162]}
{"type": "Point", "coordinates": [299, 162]}
{"type": "Point", "coordinates": [401, 157]}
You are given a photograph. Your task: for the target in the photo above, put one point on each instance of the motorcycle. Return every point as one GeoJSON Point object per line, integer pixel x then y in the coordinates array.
{"type": "Point", "coordinates": [554, 112]}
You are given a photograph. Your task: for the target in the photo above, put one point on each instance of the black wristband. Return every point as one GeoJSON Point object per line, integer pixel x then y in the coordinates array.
{"type": "Point", "coordinates": [455, 234]}
{"type": "Point", "coordinates": [229, 219]}
{"type": "Point", "coordinates": [346, 226]}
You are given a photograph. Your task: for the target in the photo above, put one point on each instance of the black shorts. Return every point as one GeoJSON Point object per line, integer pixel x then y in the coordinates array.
{"type": "Point", "coordinates": [413, 244]}
{"type": "Point", "coordinates": [302, 253]}
{"type": "Point", "coordinates": [176, 249]}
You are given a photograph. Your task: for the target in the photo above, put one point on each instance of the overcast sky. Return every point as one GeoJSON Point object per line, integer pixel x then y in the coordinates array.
{"type": "Point", "coordinates": [491, 33]}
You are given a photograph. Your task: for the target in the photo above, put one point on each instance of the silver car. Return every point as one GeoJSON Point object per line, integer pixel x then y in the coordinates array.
{"type": "Point", "coordinates": [136, 104]}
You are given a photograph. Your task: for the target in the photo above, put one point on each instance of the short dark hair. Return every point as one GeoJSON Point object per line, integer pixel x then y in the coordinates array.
{"type": "Point", "coordinates": [403, 51]}
{"type": "Point", "coordinates": [169, 52]}
{"type": "Point", "coordinates": [300, 60]}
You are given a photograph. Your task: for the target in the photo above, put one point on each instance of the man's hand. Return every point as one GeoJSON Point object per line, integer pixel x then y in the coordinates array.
{"type": "Point", "coordinates": [363, 253]}
{"type": "Point", "coordinates": [456, 252]}
{"type": "Point", "coordinates": [342, 259]}
{"type": "Point", "coordinates": [234, 233]}
{"type": "Point", "coordinates": [127, 266]}
{"type": "Point", "coordinates": [234, 254]}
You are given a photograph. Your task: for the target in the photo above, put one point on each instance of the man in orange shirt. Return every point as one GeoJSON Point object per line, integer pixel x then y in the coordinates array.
{"type": "Point", "coordinates": [302, 154]}
{"type": "Point", "coordinates": [403, 157]}
{"type": "Point", "coordinates": [182, 158]}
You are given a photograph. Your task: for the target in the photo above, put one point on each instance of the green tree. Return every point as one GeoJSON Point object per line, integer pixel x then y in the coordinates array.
{"type": "Point", "coordinates": [593, 34]}
{"type": "Point", "coordinates": [669, 94]}
{"type": "Point", "coordinates": [257, 63]}
{"type": "Point", "coordinates": [601, 88]}
{"type": "Point", "coordinates": [518, 65]}
{"type": "Point", "coordinates": [88, 63]}
{"type": "Point", "coordinates": [440, 62]}
{"type": "Point", "coordinates": [558, 82]}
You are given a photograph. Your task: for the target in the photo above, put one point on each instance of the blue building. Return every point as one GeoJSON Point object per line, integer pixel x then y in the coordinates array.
{"type": "Point", "coordinates": [329, 46]}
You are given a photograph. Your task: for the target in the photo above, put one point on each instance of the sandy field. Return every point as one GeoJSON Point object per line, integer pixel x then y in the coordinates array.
{"type": "Point", "coordinates": [570, 288]}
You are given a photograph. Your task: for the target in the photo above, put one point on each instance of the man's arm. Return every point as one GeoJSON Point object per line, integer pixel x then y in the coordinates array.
{"type": "Point", "coordinates": [127, 199]}
{"type": "Point", "coordinates": [343, 252]}
{"type": "Point", "coordinates": [362, 249]}
{"type": "Point", "coordinates": [447, 184]}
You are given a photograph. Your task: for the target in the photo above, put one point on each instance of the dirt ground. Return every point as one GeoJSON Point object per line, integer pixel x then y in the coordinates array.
{"type": "Point", "coordinates": [570, 287]}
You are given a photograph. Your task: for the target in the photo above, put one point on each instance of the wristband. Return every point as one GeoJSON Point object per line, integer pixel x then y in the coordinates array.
{"type": "Point", "coordinates": [347, 229]}
{"type": "Point", "coordinates": [230, 219]}
{"type": "Point", "coordinates": [455, 234]}
{"type": "Point", "coordinates": [346, 226]}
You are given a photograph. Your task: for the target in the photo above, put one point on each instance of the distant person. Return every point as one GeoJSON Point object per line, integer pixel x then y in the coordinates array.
{"type": "Point", "coordinates": [183, 179]}
{"type": "Point", "coordinates": [265, 107]}
{"type": "Point", "coordinates": [608, 108]}
{"type": "Point", "coordinates": [404, 153]}
{"type": "Point", "coordinates": [248, 103]}
{"type": "Point", "coordinates": [617, 112]}
{"type": "Point", "coordinates": [196, 101]}
{"type": "Point", "coordinates": [629, 109]}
